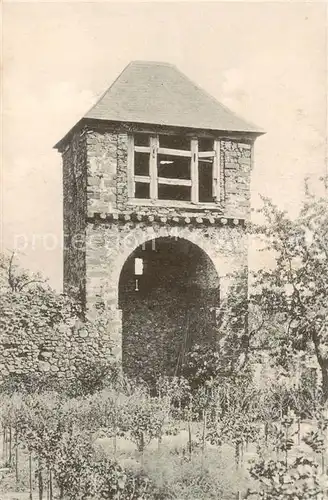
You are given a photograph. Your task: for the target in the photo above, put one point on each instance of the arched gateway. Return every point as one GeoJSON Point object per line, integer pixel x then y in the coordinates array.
{"type": "Point", "coordinates": [156, 192]}
{"type": "Point", "coordinates": [168, 295]}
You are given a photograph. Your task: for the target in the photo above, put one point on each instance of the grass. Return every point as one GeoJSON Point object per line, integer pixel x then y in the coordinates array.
{"type": "Point", "coordinates": [211, 475]}
{"type": "Point", "coordinates": [9, 487]}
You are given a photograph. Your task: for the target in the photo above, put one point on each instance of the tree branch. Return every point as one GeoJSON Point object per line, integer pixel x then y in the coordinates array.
{"type": "Point", "coordinates": [29, 283]}
{"type": "Point", "coordinates": [11, 280]}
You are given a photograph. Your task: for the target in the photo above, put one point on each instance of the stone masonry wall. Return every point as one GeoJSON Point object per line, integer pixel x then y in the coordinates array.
{"type": "Point", "coordinates": [56, 352]}
{"type": "Point", "coordinates": [74, 214]}
{"type": "Point", "coordinates": [236, 165]}
{"type": "Point", "coordinates": [108, 187]}
{"type": "Point", "coordinates": [109, 244]}
{"type": "Point", "coordinates": [102, 157]}
{"type": "Point", "coordinates": [95, 249]}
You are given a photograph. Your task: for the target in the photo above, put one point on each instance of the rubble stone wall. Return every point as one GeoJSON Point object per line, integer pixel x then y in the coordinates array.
{"type": "Point", "coordinates": [54, 352]}
{"type": "Point", "coordinates": [96, 248]}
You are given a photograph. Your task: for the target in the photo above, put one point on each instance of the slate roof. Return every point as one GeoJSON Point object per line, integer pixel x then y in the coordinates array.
{"type": "Point", "coordinates": [159, 94]}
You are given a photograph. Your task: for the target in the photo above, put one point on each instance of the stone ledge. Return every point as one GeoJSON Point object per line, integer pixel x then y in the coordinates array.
{"type": "Point", "coordinates": [173, 219]}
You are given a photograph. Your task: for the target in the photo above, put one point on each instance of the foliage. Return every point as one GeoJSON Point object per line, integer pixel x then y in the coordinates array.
{"type": "Point", "coordinates": [291, 474]}
{"type": "Point", "coordinates": [233, 415]}
{"type": "Point", "coordinates": [283, 392]}
{"type": "Point", "coordinates": [29, 305]}
{"type": "Point", "coordinates": [40, 424]}
{"type": "Point", "coordinates": [72, 465]}
{"type": "Point", "coordinates": [81, 475]}
{"type": "Point", "coordinates": [91, 376]}
{"type": "Point", "coordinates": [175, 388]}
{"type": "Point", "coordinates": [291, 297]}
{"type": "Point", "coordinates": [32, 315]}
{"type": "Point", "coordinates": [88, 378]}
{"type": "Point", "coordinates": [209, 477]}
{"type": "Point", "coordinates": [145, 417]}
{"type": "Point", "coordinates": [9, 409]}
{"type": "Point", "coordinates": [233, 429]}
{"type": "Point", "coordinates": [31, 383]}
{"type": "Point", "coordinates": [298, 480]}
{"type": "Point", "coordinates": [60, 432]}
{"type": "Point", "coordinates": [228, 354]}
{"type": "Point", "coordinates": [233, 332]}
{"type": "Point", "coordinates": [202, 365]}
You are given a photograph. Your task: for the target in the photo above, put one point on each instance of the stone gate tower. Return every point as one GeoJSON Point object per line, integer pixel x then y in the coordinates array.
{"type": "Point", "coordinates": [156, 192]}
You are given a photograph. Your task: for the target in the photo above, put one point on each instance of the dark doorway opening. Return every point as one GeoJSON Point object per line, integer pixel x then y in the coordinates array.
{"type": "Point", "coordinates": [168, 294]}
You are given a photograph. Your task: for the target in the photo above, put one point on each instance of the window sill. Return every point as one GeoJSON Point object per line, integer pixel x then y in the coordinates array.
{"type": "Point", "coordinates": [174, 204]}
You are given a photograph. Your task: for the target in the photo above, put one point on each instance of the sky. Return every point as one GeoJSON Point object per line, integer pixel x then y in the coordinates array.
{"type": "Point", "coordinates": [267, 61]}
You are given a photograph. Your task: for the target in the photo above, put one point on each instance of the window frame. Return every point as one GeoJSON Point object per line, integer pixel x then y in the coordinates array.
{"type": "Point", "coordinates": [154, 180]}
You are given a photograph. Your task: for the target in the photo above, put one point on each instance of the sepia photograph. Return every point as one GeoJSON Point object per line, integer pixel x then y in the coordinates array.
{"type": "Point", "coordinates": [164, 250]}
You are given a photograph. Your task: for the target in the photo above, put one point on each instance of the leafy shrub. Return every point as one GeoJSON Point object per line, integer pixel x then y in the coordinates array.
{"type": "Point", "coordinates": [211, 477]}
{"type": "Point", "coordinates": [144, 418]}
{"type": "Point", "coordinates": [291, 475]}
{"type": "Point", "coordinates": [30, 383]}
{"type": "Point", "coordinates": [82, 475]}
{"type": "Point", "coordinates": [73, 466]}
{"type": "Point", "coordinates": [201, 365]}
{"type": "Point", "coordinates": [92, 376]}
{"type": "Point", "coordinates": [88, 378]}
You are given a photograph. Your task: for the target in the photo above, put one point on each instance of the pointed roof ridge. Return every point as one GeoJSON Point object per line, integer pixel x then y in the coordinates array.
{"type": "Point", "coordinates": [131, 63]}
{"type": "Point", "coordinates": [210, 96]}
{"type": "Point", "coordinates": [196, 85]}
{"type": "Point", "coordinates": [155, 63]}
{"type": "Point", "coordinates": [158, 93]}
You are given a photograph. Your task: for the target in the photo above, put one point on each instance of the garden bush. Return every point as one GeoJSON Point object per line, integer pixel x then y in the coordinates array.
{"type": "Point", "coordinates": [211, 477]}
{"type": "Point", "coordinates": [212, 425]}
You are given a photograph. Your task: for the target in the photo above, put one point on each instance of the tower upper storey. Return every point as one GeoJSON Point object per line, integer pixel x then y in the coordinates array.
{"type": "Point", "coordinates": [156, 141]}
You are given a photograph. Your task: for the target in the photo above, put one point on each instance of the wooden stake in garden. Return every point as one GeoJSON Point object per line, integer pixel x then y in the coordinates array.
{"type": "Point", "coordinates": [115, 443]}
{"type": "Point", "coordinates": [40, 481]}
{"type": "Point", "coordinates": [237, 454]}
{"type": "Point", "coordinates": [4, 458]}
{"type": "Point", "coordinates": [299, 431]}
{"type": "Point", "coordinates": [16, 457]}
{"type": "Point", "coordinates": [266, 432]}
{"type": "Point", "coordinates": [50, 485]}
{"type": "Point", "coordinates": [286, 444]}
{"type": "Point", "coordinates": [30, 475]}
{"type": "Point", "coordinates": [10, 446]}
{"type": "Point", "coordinates": [277, 434]}
{"type": "Point", "coordinates": [204, 438]}
{"type": "Point", "coordinates": [189, 439]}
{"type": "Point", "coordinates": [189, 430]}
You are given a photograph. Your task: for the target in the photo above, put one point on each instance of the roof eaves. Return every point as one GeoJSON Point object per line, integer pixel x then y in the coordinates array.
{"type": "Point", "coordinates": [255, 128]}
{"type": "Point", "coordinates": [89, 120]}
{"type": "Point", "coordinates": [251, 129]}
{"type": "Point", "coordinates": [64, 139]}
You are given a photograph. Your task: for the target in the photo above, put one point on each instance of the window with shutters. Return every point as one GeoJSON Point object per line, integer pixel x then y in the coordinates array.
{"type": "Point", "coordinates": [173, 168]}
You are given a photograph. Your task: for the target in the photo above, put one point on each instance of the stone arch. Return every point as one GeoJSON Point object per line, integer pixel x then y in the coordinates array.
{"type": "Point", "coordinates": [168, 307]}
{"type": "Point", "coordinates": [134, 239]}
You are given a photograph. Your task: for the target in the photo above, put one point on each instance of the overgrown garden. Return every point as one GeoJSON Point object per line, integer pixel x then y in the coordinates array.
{"type": "Point", "coordinates": [245, 418]}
